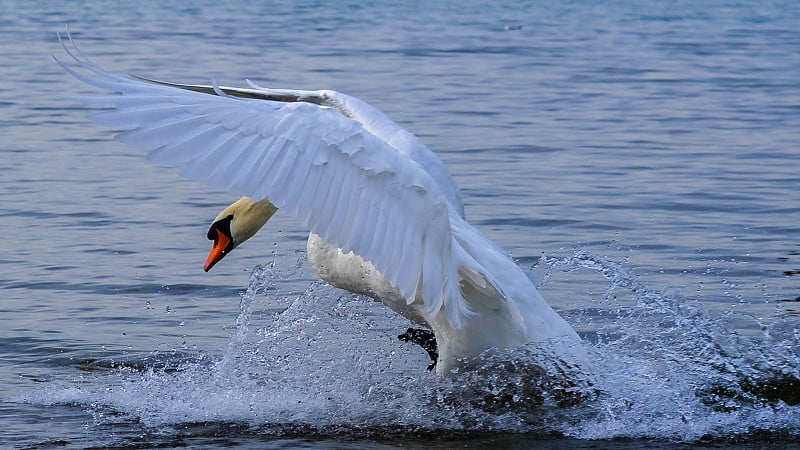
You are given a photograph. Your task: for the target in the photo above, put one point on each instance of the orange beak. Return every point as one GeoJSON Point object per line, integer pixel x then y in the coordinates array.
{"type": "Point", "coordinates": [218, 250]}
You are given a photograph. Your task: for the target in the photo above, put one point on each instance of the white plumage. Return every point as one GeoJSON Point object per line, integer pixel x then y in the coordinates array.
{"type": "Point", "coordinates": [375, 196]}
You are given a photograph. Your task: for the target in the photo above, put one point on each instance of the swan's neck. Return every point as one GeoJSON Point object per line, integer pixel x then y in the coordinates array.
{"type": "Point", "coordinates": [250, 216]}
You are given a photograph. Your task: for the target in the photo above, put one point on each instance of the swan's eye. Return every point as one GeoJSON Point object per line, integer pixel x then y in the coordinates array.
{"type": "Point", "coordinates": [223, 225]}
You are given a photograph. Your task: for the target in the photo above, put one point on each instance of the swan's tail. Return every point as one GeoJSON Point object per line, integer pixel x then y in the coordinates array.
{"type": "Point", "coordinates": [481, 270]}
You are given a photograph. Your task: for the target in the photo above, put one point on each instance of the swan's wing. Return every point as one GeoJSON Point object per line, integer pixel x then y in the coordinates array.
{"type": "Point", "coordinates": [341, 181]}
{"type": "Point", "coordinates": [372, 119]}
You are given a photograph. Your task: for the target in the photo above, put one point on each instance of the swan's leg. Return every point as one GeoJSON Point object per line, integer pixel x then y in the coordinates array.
{"type": "Point", "coordinates": [425, 339]}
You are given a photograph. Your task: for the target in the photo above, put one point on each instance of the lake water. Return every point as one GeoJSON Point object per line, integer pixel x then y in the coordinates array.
{"type": "Point", "coordinates": [642, 159]}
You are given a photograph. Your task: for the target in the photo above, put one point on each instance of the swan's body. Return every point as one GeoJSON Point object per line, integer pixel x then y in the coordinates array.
{"type": "Point", "coordinates": [386, 218]}
{"type": "Point", "coordinates": [494, 324]}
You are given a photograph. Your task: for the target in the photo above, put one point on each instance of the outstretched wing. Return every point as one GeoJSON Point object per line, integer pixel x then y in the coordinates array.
{"type": "Point", "coordinates": [340, 180]}
{"type": "Point", "coordinates": [371, 119]}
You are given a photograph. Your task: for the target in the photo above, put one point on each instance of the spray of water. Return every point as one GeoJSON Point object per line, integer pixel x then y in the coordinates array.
{"type": "Point", "coordinates": [330, 363]}
{"type": "Point", "coordinates": [672, 371]}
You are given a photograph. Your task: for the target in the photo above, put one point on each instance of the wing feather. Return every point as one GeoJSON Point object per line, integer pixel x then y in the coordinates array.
{"type": "Point", "coordinates": [372, 244]}
{"type": "Point", "coordinates": [410, 260]}
{"type": "Point", "coordinates": [335, 209]}
{"type": "Point", "coordinates": [295, 179]}
{"type": "Point", "coordinates": [318, 199]}
{"type": "Point", "coordinates": [313, 160]}
{"type": "Point", "coordinates": [386, 244]}
{"type": "Point", "coordinates": [349, 211]}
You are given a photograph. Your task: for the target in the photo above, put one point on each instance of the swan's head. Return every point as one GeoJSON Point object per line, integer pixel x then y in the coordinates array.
{"type": "Point", "coordinates": [236, 224]}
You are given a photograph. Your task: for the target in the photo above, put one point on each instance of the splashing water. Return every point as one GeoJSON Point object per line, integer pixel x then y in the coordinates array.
{"type": "Point", "coordinates": [670, 371]}
{"type": "Point", "coordinates": [330, 363]}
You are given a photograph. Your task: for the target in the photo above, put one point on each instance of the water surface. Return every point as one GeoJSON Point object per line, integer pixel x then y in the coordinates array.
{"type": "Point", "coordinates": [641, 160]}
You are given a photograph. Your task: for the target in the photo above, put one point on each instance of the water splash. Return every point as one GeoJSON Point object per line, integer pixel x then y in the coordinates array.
{"type": "Point", "coordinates": [261, 280]}
{"type": "Point", "coordinates": [672, 371]}
{"type": "Point", "coordinates": [330, 362]}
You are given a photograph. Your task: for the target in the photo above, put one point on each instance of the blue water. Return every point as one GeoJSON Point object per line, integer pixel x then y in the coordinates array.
{"type": "Point", "coordinates": [642, 160]}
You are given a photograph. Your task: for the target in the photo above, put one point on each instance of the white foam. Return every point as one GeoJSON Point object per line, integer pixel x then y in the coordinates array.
{"type": "Point", "coordinates": [332, 360]}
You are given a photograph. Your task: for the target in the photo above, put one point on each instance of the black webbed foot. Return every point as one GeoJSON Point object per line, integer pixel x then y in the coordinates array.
{"type": "Point", "coordinates": [425, 339]}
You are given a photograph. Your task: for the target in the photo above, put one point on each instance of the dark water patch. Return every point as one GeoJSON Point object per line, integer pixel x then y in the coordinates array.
{"type": "Point", "coordinates": [142, 197]}
{"type": "Point", "coordinates": [180, 289]}
{"type": "Point", "coordinates": [50, 215]}
{"type": "Point", "coordinates": [23, 347]}
{"type": "Point", "coordinates": [83, 140]}
{"type": "Point", "coordinates": [107, 251]}
{"type": "Point", "coordinates": [599, 226]}
{"type": "Point", "coordinates": [203, 204]}
{"type": "Point", "coordinates": [26, 354]}
{"type": "Point", "coordinates": [763, 391]}
{"type": "Point", "coordinates": [516, 150]}
{"type": "Point", "coordinates": [790, 258]}
{"type": "Point", "coordinates": [525, 222]}
{"type": "Point", "coordinates": [791, 306]}
{"type": "Point", "coordinates": [167, 362]}
{"type": "Point", "coordinates": [474, 112]}
{"type": "Point", "coordinates": [58, 268]}
{"type": "Point", "coordinates": [432, 52]}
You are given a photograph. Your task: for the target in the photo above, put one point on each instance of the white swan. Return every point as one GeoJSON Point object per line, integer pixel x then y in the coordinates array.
{"type": "Point", "coordinates": [386, 218]}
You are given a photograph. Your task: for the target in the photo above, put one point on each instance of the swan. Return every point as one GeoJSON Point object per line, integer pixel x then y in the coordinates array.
{"type": "Point", "coordinates": [385, 217]}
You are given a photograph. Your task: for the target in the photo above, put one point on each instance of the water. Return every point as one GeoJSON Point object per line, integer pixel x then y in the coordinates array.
{"type": "Point", "coordinates": [641, 159]}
